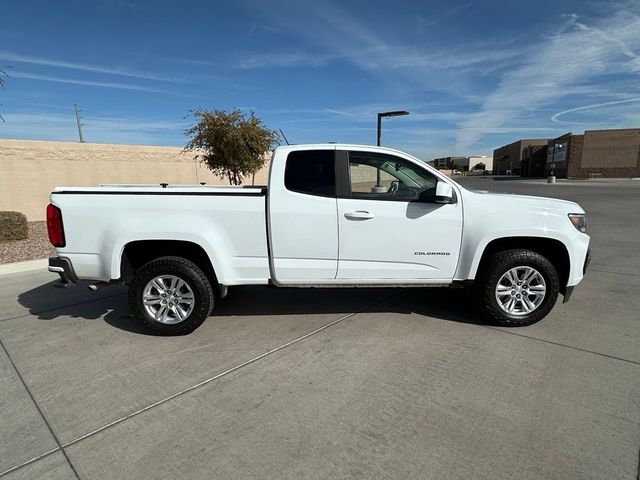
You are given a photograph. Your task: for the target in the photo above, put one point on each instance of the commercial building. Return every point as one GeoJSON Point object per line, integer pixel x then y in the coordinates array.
{"type": "Point", "coordinates": [596, 153]}
{"type": "Point", "coordinates": [509, 158]}
{"type": "Point", "coordinates": [465, 163]}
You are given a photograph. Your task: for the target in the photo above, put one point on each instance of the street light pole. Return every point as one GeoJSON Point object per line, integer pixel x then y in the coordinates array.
{"type": "Point", "coordinates": [396, 113]}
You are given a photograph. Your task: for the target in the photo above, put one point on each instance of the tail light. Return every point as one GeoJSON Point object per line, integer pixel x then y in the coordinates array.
{"type": "Point", "coordinates": [54, 226]}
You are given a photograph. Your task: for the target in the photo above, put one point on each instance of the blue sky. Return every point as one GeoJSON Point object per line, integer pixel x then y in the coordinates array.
{"type": "Point", "coordinates": [474, 74]}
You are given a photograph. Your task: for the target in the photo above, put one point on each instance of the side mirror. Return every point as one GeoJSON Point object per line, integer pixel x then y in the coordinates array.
{"type": "Point", "coordinates": [444, 193]}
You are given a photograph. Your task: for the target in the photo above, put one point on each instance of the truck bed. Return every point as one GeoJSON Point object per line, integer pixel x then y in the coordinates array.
{"type": "Point", "coordinates": [227, 221]}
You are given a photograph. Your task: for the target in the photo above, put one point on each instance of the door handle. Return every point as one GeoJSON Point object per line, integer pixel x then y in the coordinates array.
{"type": "Point", "coordinates": [359, 215]}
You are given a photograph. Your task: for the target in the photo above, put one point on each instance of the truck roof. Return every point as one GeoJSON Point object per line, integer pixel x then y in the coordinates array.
{"type": "Point", "coordinates": [345, 146]}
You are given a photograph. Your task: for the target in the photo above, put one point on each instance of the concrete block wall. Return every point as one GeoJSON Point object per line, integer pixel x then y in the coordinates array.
{"type": "Point", "coordinates": [30, 170]}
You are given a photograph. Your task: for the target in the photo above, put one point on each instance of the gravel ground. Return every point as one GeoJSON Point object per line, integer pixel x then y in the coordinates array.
{"type": "Point", "coordinates": [34, 247]}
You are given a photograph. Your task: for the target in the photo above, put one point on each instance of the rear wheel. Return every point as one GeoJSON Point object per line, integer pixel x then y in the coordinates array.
{"type": "Point", "coordinates": [171, 296]}
{"type": "Point", "coordinates": [517, 288]}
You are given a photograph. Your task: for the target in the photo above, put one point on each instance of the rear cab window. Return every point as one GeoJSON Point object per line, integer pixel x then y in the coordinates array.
{"type": "Point", "coordinates": [312, 172]}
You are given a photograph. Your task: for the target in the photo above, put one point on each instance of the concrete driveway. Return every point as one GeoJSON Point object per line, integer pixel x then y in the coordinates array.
{"type": "Point", "coordinates": [333, 383]}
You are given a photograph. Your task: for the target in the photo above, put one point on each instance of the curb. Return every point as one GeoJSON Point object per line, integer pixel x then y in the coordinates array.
{"type": "Point", "coordinates": [18, 267]}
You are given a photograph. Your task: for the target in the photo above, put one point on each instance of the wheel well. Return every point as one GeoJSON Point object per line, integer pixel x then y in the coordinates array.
{"type": "Point", "coordinates": [139, 253]}
{"type": "Point", "coordinates": [553, 250]}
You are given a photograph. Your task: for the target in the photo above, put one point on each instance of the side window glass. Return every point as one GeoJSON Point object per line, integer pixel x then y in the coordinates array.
{"type": "Point", "coordinates": [367, 178]}
{"type": "Point", "coordinates": [312, 172]}
{"type": "Point", "coordinates": [384, 177]}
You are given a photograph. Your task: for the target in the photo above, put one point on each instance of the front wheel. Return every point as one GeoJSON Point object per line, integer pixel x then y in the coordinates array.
{"type": "Point", "coordinates": [517, 288]}
{"type": "Point", "coordinates": [171, 296]}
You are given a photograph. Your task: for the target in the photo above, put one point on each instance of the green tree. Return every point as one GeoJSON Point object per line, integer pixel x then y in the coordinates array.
{"type": "Point", "coordinates": [230, 144]}
{"type": "Point", "coordinates": [480, 166]}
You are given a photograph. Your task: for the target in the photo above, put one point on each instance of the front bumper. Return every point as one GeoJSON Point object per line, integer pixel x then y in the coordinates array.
{"type": "Point", "coordinates": [587, 261]}
{"type": "Point", "coordinates": [569, 290]}
{"type": "Point", "coordinates": [63, 267]}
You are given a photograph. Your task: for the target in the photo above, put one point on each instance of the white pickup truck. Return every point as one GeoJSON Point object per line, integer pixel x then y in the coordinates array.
{"type": "Point", "coordinates": [332, 216]}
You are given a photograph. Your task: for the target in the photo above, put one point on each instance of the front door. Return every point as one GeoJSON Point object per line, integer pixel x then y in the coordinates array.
{"type": "Point", "coordinates": [390, 228]}
{"type": "Point", "coordinates": [302, 218]}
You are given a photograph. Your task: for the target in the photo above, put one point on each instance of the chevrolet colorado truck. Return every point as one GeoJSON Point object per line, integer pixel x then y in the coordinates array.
{"type": "Point", "coordinates": [332, 216]}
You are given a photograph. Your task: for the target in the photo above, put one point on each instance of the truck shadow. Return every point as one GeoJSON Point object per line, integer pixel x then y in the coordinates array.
{"type": "Point", "coordinates": [46, 302]}
{"type": "Point", "coordinates": [110, 304]}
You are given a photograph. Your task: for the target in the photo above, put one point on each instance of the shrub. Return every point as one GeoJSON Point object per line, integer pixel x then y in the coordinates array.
{"type": "Point", "coordinates": [13, 226]}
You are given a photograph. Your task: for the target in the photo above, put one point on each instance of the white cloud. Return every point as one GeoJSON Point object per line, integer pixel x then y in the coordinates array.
{"type": "Point", "coordinates": [436, 19]}
{"type": "Point", "coordinates": [50, 62]}
{"type": "Point", "coordinates": [253, 29]}
{"type": "Point", "coordinates": [91, 83]}
{"type": "Point", "coordinates": [556, 117]}
{"type": "Point", "coordinates": [283, 59]}
{"type": "Point", "coordinates": [186, 61]}
{"type": "Point", "coordinates": [568, 59]}
{"type": "Point", "coordinates": [368, 113]}
{"type": "Point", "coordinates": [338, 34]}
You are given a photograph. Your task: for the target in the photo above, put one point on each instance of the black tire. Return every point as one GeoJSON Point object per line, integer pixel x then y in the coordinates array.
{"type": "Point", "coordinates": [188, 272]}
{"type": "Point", "coordinates": [493, 270]}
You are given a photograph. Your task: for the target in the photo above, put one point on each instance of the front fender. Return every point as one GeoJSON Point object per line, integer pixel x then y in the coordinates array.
{"type": "Point", "coordinates": [517, 219]}
{"type": "Point", "coordinates": [471, 255]}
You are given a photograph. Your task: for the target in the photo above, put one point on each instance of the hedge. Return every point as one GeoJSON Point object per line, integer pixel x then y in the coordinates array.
{"type": "Point", "coordinates": [13, 226]}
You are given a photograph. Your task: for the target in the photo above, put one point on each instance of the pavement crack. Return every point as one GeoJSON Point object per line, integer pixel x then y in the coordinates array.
{"type": "Point", "coordinates": [197, 385]}
{"type": "Point", "coordinates": [210, 379]}
{"type": "Point", "coordinates": [35, 403]}
{"type": "Point", "coordinates": [61, 446]}
{"type": "Point", "coordinates": [509, 332]}
{"type": "Point", "coordinates": [550, 342]}
{"type": "Point", "coordinates": [613, 273]}
{"type": "Point", "coordinates": [29, 462]}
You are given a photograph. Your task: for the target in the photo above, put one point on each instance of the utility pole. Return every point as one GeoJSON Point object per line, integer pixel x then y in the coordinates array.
{"type": "Point", "coordinates": [78, 122]}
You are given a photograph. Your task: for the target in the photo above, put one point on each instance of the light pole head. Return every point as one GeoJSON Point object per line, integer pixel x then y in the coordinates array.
{"type": "Point", "coordinates": [397, 113]}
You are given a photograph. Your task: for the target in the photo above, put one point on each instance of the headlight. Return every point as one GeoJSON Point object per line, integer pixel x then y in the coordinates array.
{"type": "Point", "coordinates": [579, 221]}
